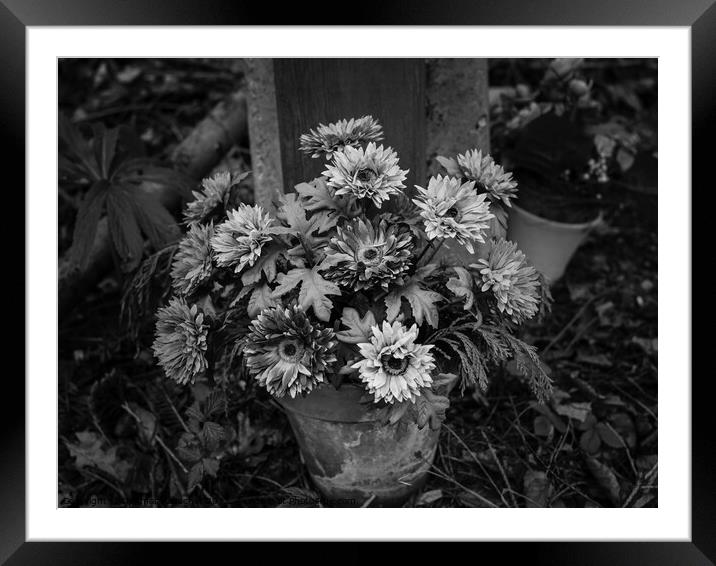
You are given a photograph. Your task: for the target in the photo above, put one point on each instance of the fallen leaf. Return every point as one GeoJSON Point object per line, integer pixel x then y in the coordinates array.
{"type": "Point", "coordinates": [429, 497]}
{"type": "Point", "coordinates": [538, 489]}
{"type": "Point", "coordinates": [606, 478]}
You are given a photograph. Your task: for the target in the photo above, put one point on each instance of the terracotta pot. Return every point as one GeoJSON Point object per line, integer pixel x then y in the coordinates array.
{"type": "Point", "coordinates": [351, 455]}
{"type": "Point", "coordinates": [548, 245]}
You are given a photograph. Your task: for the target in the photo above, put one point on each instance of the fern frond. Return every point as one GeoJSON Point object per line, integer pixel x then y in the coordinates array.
{"type": "Point", "coordinates": [152, 277]}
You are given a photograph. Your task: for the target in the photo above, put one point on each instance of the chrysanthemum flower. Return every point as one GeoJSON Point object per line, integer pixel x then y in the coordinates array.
{"type": "Point", "coordinates": [180, 343]}
{"type": "Point", "coordinates": [371, 173]}
{"type": "Point", "coordinates": [215, 191]}
{"type": "Point", "coordinates": [488, 176]}
{"type": "Point", "coordinates": [451, 209]}
{"type": "Point", "coordinates": [325, 140]}
{"type": "Point", "coordinates": [238, 241]}
{"type": "Point", "coordinates": [192, 265]}
{"type": "Point", "coordinates": [364, 255]}
{"type": "Point", "coordinates": [286, 352]}
{"type": "Point", "coordinates": [513, 281]}
{"type": "Point", "coordinates": [394, 367]}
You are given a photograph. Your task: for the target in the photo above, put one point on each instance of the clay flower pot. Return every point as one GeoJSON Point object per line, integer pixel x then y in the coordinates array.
{"type": "Point", "coordinates": [352, 455]}
{"type": "Point", "coordinates": [548, 244]}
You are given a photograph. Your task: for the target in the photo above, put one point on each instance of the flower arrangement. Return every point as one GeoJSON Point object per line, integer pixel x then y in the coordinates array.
{"type": "Point", "coordinates": [338, 284]}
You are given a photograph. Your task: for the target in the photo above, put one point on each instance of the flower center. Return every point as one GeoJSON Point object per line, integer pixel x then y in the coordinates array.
{"type": "Point", "coordinates": [370, 256]}
{"type": "Point", "coordinates": [393, 365]}
{"type": "Point", "coordinates": [365, 175]}
{"type": "Point", "coordinates": [452, 212]}
{"type": "Point", "coordinates": [290, 350]}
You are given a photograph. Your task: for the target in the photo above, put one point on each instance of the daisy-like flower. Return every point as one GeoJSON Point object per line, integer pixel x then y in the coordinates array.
{"type": "Point", "coordinates": [287, 353]}
{"type": "Point", "coordinates": [192, 265]}
{"type": "Point", "coordinates": [452, 209]}
{"type": "Point", "coordinates": [488, 176]}
{"type": "Point", "coordinates": [394, 367]}
{"type": "Point", "coordinates": [371, 173]}
{"type": "Point", "coordinates": [364, 255]}
{"type": "Point", "coordinates": [513, 281]}
{"type": "Point", "coordinates": [325, 140]}
{"type": "Point", "coordinates": [215, 191]}
{"type": "Point", "coordinates": [180, 343]}
{"type": "Point", "coordinates": [238, 241]}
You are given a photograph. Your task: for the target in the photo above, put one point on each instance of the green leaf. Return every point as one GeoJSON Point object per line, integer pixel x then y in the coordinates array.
{"type": "Point", "coordinates": [538, 488]}
{"type": "Point", "coordinates": [443, 383]}
{"type": "Point", "coordinates": [87, 220]}
{"type": "Point", "coordinates": [609, 436]}
{"type": "Point", "coordinates": [542, 426]}
{"type": "Point", "coordinates": [396, 411]}
{"type": "Point", "coordinates": [590, 441]}
{"type": "Point", "coordinates": [211, 466]}
{"type": "Point", "coordinates": [105, 143]}
{"type": "Point", "coordinates": [196, 474]}
{"type": "Point", "coordinates": [606, 478]}
{"type": "Point", "coordinates": [212, 433]}
{"type": "Point", "coordinates": [317, 195]}
{"type": "Point", "coordinates": [146, 174]}
{"type": "Point", "coordinates": [450, 165]}
{"type": "Point", "coordinates": [431, 409]}
{"type": "Point", "coordinates": [314, 290]}
{"type": "Point", "coordinates": [155, 221]}
{"type": "Point", "coordinates": [77, 158]}
{"type": "Point", "coordinates": [266, 264]}
{"type": "Point", "coordinates": [422, 301]}
{"type": "Point", "coordinates": [577, 411]}
{"type": "Point", "coordinates": [429, 497]}
{"type": "Point", "coordinates": [189, 447]}
{"type": "Point", "coordinates": [307, 230]}
{"type": "Point", "coordinates": [462, 285]}
{"type": "Point", "coordinates": [89, 452]}
{"type": "Point", "coordinates": [124, 228]}
{"type": "Point", "coordinates": [260, 299]}
{"type": "Point", "coordinates": [359, 329]}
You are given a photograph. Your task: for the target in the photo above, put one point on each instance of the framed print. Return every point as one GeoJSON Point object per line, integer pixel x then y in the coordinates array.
{"type": "Point", "coordinates": [414, 270]}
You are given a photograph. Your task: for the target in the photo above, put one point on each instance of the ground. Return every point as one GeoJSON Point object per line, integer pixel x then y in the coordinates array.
{"type": "Point", "coordinates": [121, 422]}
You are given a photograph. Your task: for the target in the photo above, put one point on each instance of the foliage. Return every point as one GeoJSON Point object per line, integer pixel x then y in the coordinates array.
{"type": "Point", "coordinates": [574, 130]}
{"type": "Point", "coordinates": [123, 185]}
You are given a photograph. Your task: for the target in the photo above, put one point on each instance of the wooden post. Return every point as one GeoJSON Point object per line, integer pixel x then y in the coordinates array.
{"type": "Point", "coordinates": [313, 91]}
{"type": "Point", "coordinates": [457, 100]}
{"type": "Point", "coordinates": [264, 132]}
{"type": "Point", "coordinates": [427, 108]}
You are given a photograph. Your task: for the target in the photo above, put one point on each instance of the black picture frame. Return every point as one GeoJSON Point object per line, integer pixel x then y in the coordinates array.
{"type": "Point", "coordinates": [16, 15]}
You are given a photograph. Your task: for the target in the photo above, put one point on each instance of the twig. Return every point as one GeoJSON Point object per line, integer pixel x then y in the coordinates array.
{"type": "Point", "coordinates": [474, 456]}
{"type": "Point", "coordinates": [639, 484]}
{"type": "Point", "coordinates": [368, 501]}
{"type": "Point", "coordinates": [467, 489]}
{"type": "Point", "coordinates": [574, 319]}
{"type": "Point", "coordinates": [104, 481]}
{"type": "Point", "coordinates": [499, 466]}
{"type": "Point", "coordinates": [168, 452]}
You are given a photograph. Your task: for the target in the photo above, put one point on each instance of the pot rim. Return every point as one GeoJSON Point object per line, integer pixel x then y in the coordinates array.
{"type": "Point", "coordinates": [575, 225]}
{"type": "Point", "coordinates": [344, 409]}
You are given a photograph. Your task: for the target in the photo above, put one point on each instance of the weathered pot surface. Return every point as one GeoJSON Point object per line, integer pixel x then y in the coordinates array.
{"type": "Point", "coordinates": [548, 245]}
{"type": "Point", "coordinates": [352, 455]}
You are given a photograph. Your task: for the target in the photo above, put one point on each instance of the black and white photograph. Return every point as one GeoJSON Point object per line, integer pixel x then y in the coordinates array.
{"type": "Point", "coordinates": [423, 276]}
{"type": "Point", "coordinates": [358, 282]}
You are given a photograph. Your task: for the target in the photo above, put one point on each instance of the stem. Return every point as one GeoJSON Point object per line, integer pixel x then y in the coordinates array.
{"type": "Point", "coordinates": [422, 253]}
{"type": "Point", "coordinates": [432, 255]}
